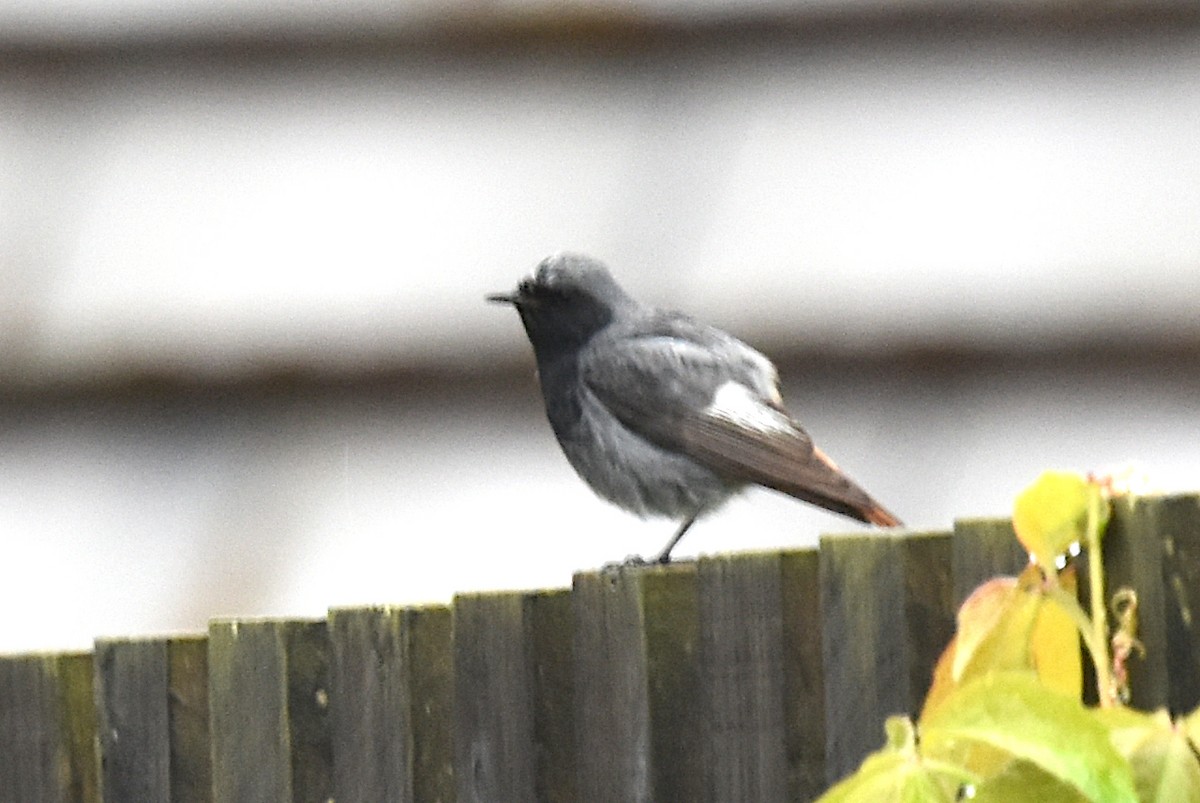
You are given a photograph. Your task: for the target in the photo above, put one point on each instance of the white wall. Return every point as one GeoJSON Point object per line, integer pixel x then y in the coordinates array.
{"type": "Point", "coordinates": [214, 216]}
{"type": "Point", "coordinates": [191, 215]}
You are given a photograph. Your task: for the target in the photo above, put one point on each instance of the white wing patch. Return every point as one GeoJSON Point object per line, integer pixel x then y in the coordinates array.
{"type": "Point", "coordinates": [736, 403]}
{"type": "Point", "coordinates": [767, 369]}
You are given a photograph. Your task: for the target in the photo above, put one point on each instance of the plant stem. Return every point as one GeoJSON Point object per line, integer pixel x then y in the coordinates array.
{"type": "Point", "coordinates": [1097, 646]}
{"type": "Point", "coordinates": [1099, 624]}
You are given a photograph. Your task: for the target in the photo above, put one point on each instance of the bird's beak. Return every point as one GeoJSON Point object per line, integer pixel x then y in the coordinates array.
{"type": "Point", "coordinates": [504, 298]}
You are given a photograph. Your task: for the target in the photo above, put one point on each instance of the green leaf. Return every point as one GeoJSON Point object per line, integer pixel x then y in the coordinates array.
{"type": "Point", "coordinates": [901, 735]}
{"type": "Point", "coordinates": [897, 772]}
{"type": "Point", "coordinates": [1052, 514]}
{"type": "Point", "coordinates": [1165, 770]}
{"type": "Point", "coordinates": [1022, 782]}
{"type": "Point", "coordinates": [1054, 643]}
{"type": "Point", "coordinates": [1009, 623]}
{"type": "Point", "coordinates": [994, 624]}
{"type": "Point", "coordinates": [893, 779]}
{"type": "Point", "coordinates": [1191, 726]}
{"type": "Point", "coordinates": [1012, 713]}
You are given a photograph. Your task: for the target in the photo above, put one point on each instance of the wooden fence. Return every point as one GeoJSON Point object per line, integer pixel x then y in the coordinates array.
{"type": "Point", "coordinates": [755, 677]}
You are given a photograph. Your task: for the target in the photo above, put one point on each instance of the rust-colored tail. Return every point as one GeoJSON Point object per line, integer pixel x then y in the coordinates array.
{"type": "Point", "coordinates": [880, 516]}
{"type": "Point", "coordinates": [853, 501]}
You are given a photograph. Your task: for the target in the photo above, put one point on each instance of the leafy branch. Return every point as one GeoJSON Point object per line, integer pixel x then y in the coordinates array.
{"type": "Point", "coordinates": [1004, 717]}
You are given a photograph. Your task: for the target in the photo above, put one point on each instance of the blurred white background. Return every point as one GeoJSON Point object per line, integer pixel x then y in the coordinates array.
{"type": "Point", "coordinates": [245, 363]}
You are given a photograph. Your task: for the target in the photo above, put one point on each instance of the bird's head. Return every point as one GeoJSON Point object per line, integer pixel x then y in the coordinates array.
{"type": "Point", "coordinates": [567, 299]}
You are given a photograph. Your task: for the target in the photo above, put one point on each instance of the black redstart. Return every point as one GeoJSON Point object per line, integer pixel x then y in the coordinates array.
{"type": "Point", "coordinates": [662, 415]}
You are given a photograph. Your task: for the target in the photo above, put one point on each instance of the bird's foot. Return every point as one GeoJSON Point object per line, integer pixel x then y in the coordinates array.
{"type": "Point", "coordinates": [634, 562]}
{"type": "Point", "coordinates": [630, 562]}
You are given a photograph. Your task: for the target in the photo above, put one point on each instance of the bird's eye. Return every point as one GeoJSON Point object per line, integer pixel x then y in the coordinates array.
{"type": "Point", "coordinates": [547, 279]}
{"type": "Point", "coordinates": [548, 285]}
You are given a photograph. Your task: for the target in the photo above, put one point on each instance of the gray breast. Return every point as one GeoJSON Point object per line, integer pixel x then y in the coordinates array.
{"type": "Point", "coordinates": [633, 473]}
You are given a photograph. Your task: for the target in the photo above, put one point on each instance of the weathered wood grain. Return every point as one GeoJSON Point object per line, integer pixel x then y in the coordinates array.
{"type": "Point", "coordinates": [132, 707]}
{"type": "Point", "coordinates": [637, 685]}
{"type": "Point", "coordinates": [742, 665]}
{"type": "Point", "coordinates": [1153, 546]}
{"type": "Point", "coordinates": [47, 729]}
{"type": "Point", "coordinates": [887, 613]}
{"type": "Point", "coordinates": [191, 759]}
{"type": "Point", "coordinates": [269, 711]}
{"type": "Point", "coordinates": [513, 696]}
{"type": "Point", "coordinates": [762, 676]}
{"type": "Point", "coordinates": [983, 549]}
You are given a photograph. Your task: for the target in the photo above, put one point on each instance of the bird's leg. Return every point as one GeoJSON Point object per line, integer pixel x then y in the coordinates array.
{"type": "Point", "coordinates": [664, 557]}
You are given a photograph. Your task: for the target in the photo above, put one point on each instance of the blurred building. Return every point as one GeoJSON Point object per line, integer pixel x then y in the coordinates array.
{"type": "Point", "coordinates": [245, 363]}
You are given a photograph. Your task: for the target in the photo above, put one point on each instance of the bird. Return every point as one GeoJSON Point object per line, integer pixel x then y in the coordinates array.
{"type": "Point", "coordinates": [660, 414]}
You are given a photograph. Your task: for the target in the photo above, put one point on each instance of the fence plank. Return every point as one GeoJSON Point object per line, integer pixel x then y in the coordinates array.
{"type": "Point", "coordinates": [493, 699]}
{"type": "Point", "coordinates": [514, 738]}
{"type": "Point", "coordinates": [929, 611]}
{"type": "Point", "coordinates": [1176, 520]}
{"type": "Point", "coordinates": [371, 705]}
{"type": "Point", "coordinates": [431, 645]}
{"type": "Point", "coordinates": [983, 549]}
{"type": "Point", "coordinates": [804, 678]}
{"type": "Point", "coordinates": [742, 672]}
{"type": "Point", "coordinates": [550, 615]}
{"type": "Point", "coordinates": [866, 678]}
{"type": "Point", "coordinates": [637, 692]}
{"type": "Point", "coordinates": [268, 697]}
{"type": "Point", "coordinates": [612, 716]}
{"type": "Point", "coordinates": [191, 760]}
{"type": "Point", "coordinates": [1133, 557]}
{"type": "Point", "coordinates": [1153, 546]}
{"type": "Point", "coordinates": [47, 730]}
{"type": "Point", "coordinates": [248, 713]}
{"type": "Point", "coordinates": [392, 703]}
{"type": "Point", "coordinates": [886, 603]}
{"type": "Point", "coordinates": [131, 678]}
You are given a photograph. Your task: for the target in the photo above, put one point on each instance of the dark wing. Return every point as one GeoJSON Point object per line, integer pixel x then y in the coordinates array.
{"type": "Point", "coordinates": [697, 391]}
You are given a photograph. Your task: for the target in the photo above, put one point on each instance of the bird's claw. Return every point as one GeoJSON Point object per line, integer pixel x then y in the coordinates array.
{"type": "Point", "coordinates": [630, 562]}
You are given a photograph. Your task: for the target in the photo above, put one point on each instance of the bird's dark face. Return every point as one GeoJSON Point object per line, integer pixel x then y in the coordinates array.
{"type": "Point", "coordinates": [567, 299]}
